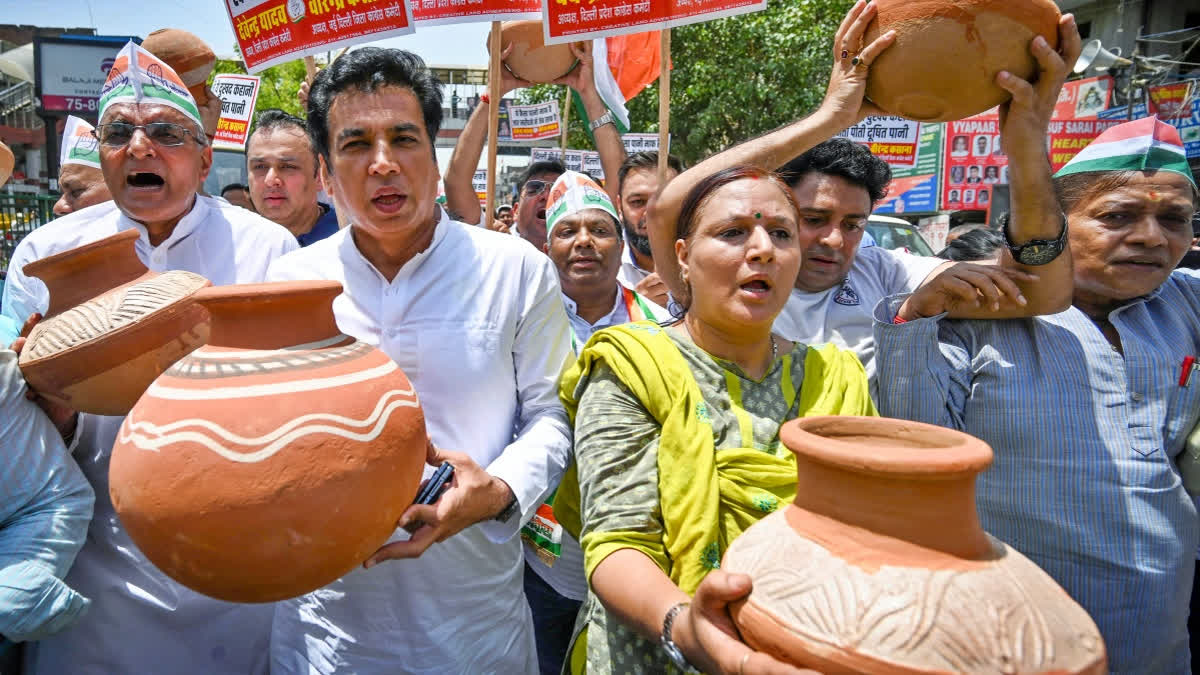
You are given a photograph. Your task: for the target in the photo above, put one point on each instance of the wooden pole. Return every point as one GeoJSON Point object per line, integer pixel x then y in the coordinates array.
{"type": "Point", "coordinates": [664, 105]}
{"type": "Point", "coordinates": [310, 69]}
{"type": "Point", "coordinates": [493, 122]}
{"type": "Point", "coordinates": [566, 120]}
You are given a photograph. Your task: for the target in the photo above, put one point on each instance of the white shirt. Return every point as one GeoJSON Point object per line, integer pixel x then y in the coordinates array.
{"type": "Point", "coordinates": [566, 576]}
{"type": "Point", "coordinates": [842, 314]}
{"type": "Point", "coordinates": [140, 620]}
{"type": "Point", "coordinates": [630, 274]}
{"type": "Point", "coordinates": [477, 324]}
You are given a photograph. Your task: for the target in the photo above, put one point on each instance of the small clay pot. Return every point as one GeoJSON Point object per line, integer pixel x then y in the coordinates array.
{"type": "Point", "coordinates": [531, 58]}
{"type": "Point", "coordinates": [947, 53]}
{"type": "Point", "coordinates": [7, 161]}
{"type": "Point", "coordinates": [881, 566]}
{"type": "Point", "coordinates": [112, 325]}
{"type": "Point", "coordinates": [188, 55]}
{"type": "Point", "coordinates": [276, 458]}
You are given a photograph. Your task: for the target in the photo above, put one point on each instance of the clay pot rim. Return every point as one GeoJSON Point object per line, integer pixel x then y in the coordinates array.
{"type": "Point", "coordinates": [937, 453]}
{"type": "Point", "coordinates": [31, 269]}
{"type": "Point", "coordinates": [275, 290]}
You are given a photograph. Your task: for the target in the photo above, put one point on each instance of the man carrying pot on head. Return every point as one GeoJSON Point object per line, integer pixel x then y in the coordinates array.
{"type": "Point", "coordinates": [154, 157]}
{"type": "Point", "coordinates": [637, 184]}
{"type": "Point", "coordinates": [476, 320]}
{"type": "Point", "coordinates": [837, 183]}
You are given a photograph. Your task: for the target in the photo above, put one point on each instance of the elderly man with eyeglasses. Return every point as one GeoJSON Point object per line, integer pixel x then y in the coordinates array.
{"type": "Point", "coordinates": [154, 156]}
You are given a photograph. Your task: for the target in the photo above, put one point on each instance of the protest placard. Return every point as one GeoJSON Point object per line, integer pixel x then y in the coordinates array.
{"type": "Point", "coordinates": [238, 94]}
{"type": "Point", "coordinates": [532, 122]}
{"type": "Point", "coordinates": [434, 12]}
{"type": "Point", "coordinates": [571, 20]}
{"type": "Point", "coordinates": [892, 139]}
{"type": "Point", "coordinates": [274, 31]}
{"type": "Point", "coordinates": [642, 143]}
{"type": "Point", "coordinates": [584, 161]}
{"type": "Point", "coordinates": [479, 183]}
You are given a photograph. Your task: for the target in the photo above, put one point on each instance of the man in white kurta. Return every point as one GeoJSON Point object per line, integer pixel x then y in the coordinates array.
{"type": "Point", "coordinates": [475, 319]}
{"type": "Point", "coordinates": [140, 621]}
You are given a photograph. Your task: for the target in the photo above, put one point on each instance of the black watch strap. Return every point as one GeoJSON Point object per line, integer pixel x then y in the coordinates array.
{"type": "Point", "coordinates": [508, 512]}
{"type": "Point", "coordinates": [1036, 251]}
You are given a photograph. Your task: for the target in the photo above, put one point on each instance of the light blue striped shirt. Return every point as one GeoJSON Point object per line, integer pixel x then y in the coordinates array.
{"type": "Point", "coordinates": [45, 507]}
{"type": "Point", "coordinates": [1084, 480]}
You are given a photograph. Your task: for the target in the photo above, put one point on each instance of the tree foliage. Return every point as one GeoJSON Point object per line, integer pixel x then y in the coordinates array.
{"type": "Point", "coordinates": [279, 84]}
{"type": "Point", "coordinates": [736, 78]}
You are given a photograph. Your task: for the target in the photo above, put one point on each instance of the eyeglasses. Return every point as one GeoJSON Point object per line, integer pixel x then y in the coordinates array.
{"type": "Point", "coordinates": [118, 134]}
{"type": "Point", "coordinates": [535, 187]}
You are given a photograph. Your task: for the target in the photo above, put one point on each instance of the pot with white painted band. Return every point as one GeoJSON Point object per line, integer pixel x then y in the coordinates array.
{"type": "Point", "coordinates": [276, 458]}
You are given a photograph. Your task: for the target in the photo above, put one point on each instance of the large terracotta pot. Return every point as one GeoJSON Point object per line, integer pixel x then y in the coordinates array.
{"type": "Point", "coordinates": [947, 53]}
{"type": "Point", "coordinates": [881, 566]}
{"type": "Point", "coordinates": [112, 325]}
{"type": "Point", "coordinates": [531, 58]}
{"type": "Point", "coordinates": [274, 459]}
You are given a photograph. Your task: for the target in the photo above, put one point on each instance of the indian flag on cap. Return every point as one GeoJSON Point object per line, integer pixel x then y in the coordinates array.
{"type": "Point", "coordinates": [573, 192]}
{"type": "Point", "coordinates": [79, 146]}
{"type": "Point", "coordinates": [1147, 144]}
{"type": "Point", "coordinates": [137, 76]}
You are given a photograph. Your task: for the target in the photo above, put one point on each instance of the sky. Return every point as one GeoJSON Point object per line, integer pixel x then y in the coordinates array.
{"type": "Point", "coordinates": [462, 44]}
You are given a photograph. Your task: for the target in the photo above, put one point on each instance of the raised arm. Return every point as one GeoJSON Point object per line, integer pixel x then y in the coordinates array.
{"type": "Point", "coordinates": [461, 200]}
{"type": "Point", "coordinates": [608, 141]}
{"type": "Point", "coordinates": [844, 106]}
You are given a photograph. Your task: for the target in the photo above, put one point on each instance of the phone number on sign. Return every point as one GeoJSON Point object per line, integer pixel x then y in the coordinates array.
{"type": "Point", "coordinates": [84, 104]}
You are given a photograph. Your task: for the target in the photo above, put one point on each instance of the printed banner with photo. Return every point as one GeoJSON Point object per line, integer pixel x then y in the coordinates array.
{"type": "Point", "coordinates": [1081, 99]}
{"type": "Point", "coordinates": [434, 12]}
{"type": "Point", "coordinates": [571, 20]}
{"type": "Point", "coordinates": [1069, 137]}
{"type": "Point", "coordinates": [275, 31]}
{"type": "Point", "coordinates": [892, 139]}
{"type": "Point", "coordinates": [531, 122]}
{"type": "Point", "coordinates": [974, 162]}
{"type": "Point", "coordinates": [1170, 101]}
{"type": "Point", "coordinates": [914, 189]}
{"type": "Point", "coordinates": [238, 94]}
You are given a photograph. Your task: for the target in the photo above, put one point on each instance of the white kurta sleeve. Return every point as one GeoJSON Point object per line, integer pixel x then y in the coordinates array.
{"type": "Point", "coordinates": [533, 464]}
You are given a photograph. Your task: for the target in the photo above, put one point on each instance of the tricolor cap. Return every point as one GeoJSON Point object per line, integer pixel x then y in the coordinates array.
{"type": "Point", "coordinates": [137, 76]}
{"type": "Point", "coordinates": [79, 146]}
{"type": "Point", "coordinates": [1147, 144]}
{"type": "Point", "coordinates": [573, 192]}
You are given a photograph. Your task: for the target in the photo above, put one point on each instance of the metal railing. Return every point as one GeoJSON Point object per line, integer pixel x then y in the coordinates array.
{"type": "Point", "coordinates": [19, 215]}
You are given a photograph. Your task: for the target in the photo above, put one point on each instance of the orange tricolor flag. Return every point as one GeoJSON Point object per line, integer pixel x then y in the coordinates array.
{"type": "Point", "coordinates": [624, 65]}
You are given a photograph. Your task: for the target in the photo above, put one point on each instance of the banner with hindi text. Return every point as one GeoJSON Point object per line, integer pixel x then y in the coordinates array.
{"type": "Point", "coordinates": [571, 20]}
{"type": "Point", "coordinates": [435, 12]}
{"type": "Point", "coordinates": [914, 189]}
{"type": "Point", "coordinates": [892, 139]}
{"type": "Point", "coordinates": [275, 31]}
{"type": "Point", "coordinates": [238, 94]}
{"type": "Point", "coordinates": [532, 122]}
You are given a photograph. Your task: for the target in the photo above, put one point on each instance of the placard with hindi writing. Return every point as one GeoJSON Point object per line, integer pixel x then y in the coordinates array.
{"type": "Point", "coordinates": [571, 20]}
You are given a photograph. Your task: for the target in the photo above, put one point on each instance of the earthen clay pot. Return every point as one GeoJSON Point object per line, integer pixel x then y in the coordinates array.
{"type": "Point", "coordinates": [276, 458]}
{"type": "Point", "coordinates": [531, 58]}
{"type": "Point", "coordinates": [112, 325]}
{"type": "Point", "coordinates": [881, 566]}
{"type": "Point", "coordinates": [7, 161]}
{"type": "Point", "coordinates": [188, 55]}
{"type": "Point", "coordinates": [947, 53]}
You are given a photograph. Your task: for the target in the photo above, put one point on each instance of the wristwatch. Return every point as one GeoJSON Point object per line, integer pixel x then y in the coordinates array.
{"type": "Point", "coordinates": [606, 118]}
{"type": "Point", "coordinates": [508, 512]}
{"type": "Point", "coordinates": [669, 645]}
{"type": "Point", "coordinates": [1036, 251]}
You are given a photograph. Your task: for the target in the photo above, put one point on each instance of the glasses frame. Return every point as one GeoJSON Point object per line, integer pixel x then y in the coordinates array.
{"type": "Point", "coordinates": [96, 132]}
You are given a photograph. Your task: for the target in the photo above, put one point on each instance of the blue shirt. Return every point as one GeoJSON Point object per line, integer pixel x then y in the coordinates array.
{"type": "Point", "coordinates": [45, 508]}
{"type": "Point", "coordinates": [325, 226]}
{"type": "Point", "coordinates": [1084, 480]}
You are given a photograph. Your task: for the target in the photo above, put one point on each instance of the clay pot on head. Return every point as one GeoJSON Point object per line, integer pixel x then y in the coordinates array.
{"type": "Point", "coordinates": [947, 53]}
{"type": "Point", "coordinates": [112, 325]}
{"type": "Point", "coordinates": [188, 55]}
{"type": "Point", "coordinates": [531, 58]}
{"type": "Point", "coordinates": [881, 566]}
{"type": "Point", "coordinates": [276, 458]}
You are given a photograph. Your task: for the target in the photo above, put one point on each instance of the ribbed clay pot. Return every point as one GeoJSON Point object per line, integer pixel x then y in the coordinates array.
{"type": "Point", "coordinates": [947, 53]}
{"type": "Point", "coordinates": [276, 458]}
{"type": "Point", "coordinates": [112, 325]}
{"type": "Point", "coordinates": [188, 55]}
{"type": "Point", "coordinates": [531, 58]}
{"type": "Point", "coordinates": [881, 566]}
